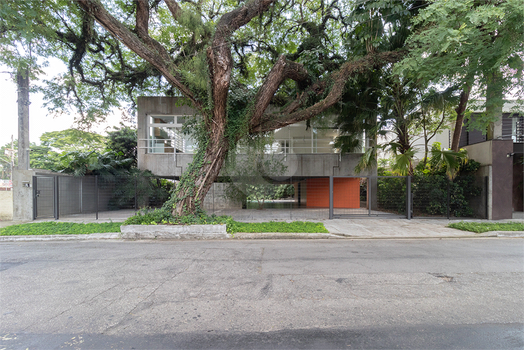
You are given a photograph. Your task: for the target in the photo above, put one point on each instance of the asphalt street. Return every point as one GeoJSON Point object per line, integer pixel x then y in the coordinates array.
{"type": "Point", "coordinates": [270, 294]}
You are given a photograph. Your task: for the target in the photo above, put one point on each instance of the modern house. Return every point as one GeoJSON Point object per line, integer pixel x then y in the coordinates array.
{"type": "Point", "coordinates": [501, 158]}
{"type": "Point", "coordinates": [306, 152]}
{"type": "Point", "coordinates": [501, 161]}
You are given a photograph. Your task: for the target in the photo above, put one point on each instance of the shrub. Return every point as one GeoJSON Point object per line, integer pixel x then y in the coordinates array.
{"type": "Point", "coordinates": [163, 216]}
{"type": "Point", "coordinates": [430, 190]}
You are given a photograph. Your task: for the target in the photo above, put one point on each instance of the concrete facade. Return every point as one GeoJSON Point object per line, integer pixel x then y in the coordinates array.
{"type": "Point", "coordinates": [306, 152]}
{"type": "Point", "coordinates": [23, 195]}
{"type": "Point", "coordinates": [174, 164]}
{"type": "Point", "coordinates": [498, 167]}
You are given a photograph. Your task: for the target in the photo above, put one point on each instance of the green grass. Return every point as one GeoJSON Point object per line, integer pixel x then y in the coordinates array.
{"type": "Point", "coordinates": [480, 227]}
{"type": "Point", "coordinates": [284, 227]}
{"type": "Point", "coordinates": [59, 228]}
{"type": "Point", "coordinates": [69, 228]}
{"type": "Point", "coordinates": [162, 216]}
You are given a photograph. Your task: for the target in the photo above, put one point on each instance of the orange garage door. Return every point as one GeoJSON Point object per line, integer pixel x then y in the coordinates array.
{"type": "Point", "coordinates": [346, 193]}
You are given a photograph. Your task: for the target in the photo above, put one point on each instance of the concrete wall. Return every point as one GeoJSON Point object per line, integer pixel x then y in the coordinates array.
{"type": "Point", "coordinates": [492, 155]}
{"type": "Point", "coordinates": [6, 205]}
{"type": "Point", "coordinates": [23, 195]}
{"type": "Point", "coordinates": [518, 184]}
{"type": "Point", "coordinates": [502, 180]}
{"type": "Point", "coordinates": [481, 205]}
{"type": "Point", "coordinates": [481, 152]}
{"type": "Point", "coordinates": [301, 165]}
{"type": "Point", "coordinates": [216, 198]}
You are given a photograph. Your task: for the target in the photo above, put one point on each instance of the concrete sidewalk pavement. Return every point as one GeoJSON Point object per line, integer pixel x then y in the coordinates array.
{"type": "Point", "coordinates": [376, 228]}
{"type": "Point", "coordinates": [357, 228]}
{"type": "Point", "coordinates": [403, 228]}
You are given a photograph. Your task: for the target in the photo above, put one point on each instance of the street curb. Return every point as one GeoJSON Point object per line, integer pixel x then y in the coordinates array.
{"type": "Point", "coordinates": [509, 233]}
{"type": "Point", "coordinates": [252, 236]}
{"type": "Point", "coordinates": [170, 232]}
{"type": "Point", "coordinates": [75, 237]}
{"type": "Point", "coordinates": [282, 235]}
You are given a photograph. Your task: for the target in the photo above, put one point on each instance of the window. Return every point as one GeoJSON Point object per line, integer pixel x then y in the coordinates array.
{"type": "Point", "coordinates": [301, 139]}
{"type": "Point", "coordinates": [165, 135]}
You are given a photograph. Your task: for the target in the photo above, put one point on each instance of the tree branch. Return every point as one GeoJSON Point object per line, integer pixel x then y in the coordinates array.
{"type": "Point", "coordinates": [142, 18]}
{"type": "Point", "coordinates": [156, 55]}
{"type": "Point", "coordinates": [174, 8]}
{"type": "Point", "coordinates": [219, 55]}
{"type": "Point", "coordinates": [289, 116]}
{"type": "Point", "coordinates": [282, 70]}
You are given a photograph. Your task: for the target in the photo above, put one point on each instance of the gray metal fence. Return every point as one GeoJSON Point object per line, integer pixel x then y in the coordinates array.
{"type": "Point", "coordinates": [320, 198]}
{"type": "Point", "coordinates": [62, 196]}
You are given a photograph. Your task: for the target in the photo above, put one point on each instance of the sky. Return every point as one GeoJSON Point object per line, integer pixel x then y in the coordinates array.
{"type": "Point", "coordinates": [39, 120]}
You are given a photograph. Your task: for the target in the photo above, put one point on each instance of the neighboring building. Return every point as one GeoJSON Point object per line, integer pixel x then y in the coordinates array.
{"type": "Point", "coordinates": [501, 164]}
{"type": "Point", "coordinates": [306, 152]}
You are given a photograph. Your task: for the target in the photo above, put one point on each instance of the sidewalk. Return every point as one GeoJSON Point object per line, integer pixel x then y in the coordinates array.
{"type": "Point", "coordinates": [358, 228]}
{"type": "Point", "coordinates": [403, 228]}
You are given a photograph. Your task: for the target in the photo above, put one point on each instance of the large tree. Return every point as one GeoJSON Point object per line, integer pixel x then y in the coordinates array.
{"type": "Point", "coordinates": [477, 45]}
{"type": "Point", "coordinates": [230, 60]}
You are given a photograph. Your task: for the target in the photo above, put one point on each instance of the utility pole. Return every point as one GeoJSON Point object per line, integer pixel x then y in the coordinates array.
{"type": "Point", "coordinates": [12, 150]}
{"type": "Point", "coordinates": [22, 81]}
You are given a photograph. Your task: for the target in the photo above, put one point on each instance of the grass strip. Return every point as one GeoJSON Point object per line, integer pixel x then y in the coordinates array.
{"type": "Point", "coordinates": [480, 227]}
{"type": "Point", "coordinates": [70, 228]}
{"type": "Point", "coordinates": [59, 228]}
{"type": "Point", "coordinates": [283, 227]}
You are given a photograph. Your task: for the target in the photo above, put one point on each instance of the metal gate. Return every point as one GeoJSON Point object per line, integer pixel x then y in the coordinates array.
{"type": "Point", "coordinates": [370, 196]}
{"type": "Point", "coordinates": [45, 197]}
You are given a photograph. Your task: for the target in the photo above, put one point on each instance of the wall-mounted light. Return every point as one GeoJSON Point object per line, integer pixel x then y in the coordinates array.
{"type": "Point", "coordinates": [510, 154]}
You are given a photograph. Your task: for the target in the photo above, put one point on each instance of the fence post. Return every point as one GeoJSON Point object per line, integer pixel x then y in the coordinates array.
{"type": "Point", "coordinates": [136, 191]}
{"type": "Point", "coordinates": [96, 196]}
{"type": "Point", "coordinates": [408, 199]}
{"type": "Point", "coordinates": [448, 200]}
{"type": "Point", "coordinates": [56, 196]}
{"type": "Point", "coordinates": [81, 195]}
{"type": "Point", "coordinates": [331, 197]}
{"type": "Point", "coordinates": [35, 197]}
{"type": "Point", "coordinates": [486, 194]}
{"type": "Point", "coordinates": [369, 195]}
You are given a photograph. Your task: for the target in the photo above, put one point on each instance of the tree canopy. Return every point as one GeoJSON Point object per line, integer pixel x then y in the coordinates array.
{"type": "Point", "coordinates": [477, 45]}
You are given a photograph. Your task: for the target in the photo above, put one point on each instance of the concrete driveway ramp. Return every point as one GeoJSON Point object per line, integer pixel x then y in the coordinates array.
{"type": "Point", "coordinates": [174, 232]}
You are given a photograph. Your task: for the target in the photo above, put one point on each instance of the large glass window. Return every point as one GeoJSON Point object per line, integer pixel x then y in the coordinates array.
{"type": "Point", "coordinates": [300, 139]}
{"type": "Point", "coordinates": [165, 135]}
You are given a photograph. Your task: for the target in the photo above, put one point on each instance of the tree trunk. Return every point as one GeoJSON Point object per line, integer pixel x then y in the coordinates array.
{"type": "Point", "coordinates": [494, 103]}
{"type": "Point", "coordinates": [461, 109]}
{"type": "Point", "coordinates": [404, 143]}
{"type": "Point", "coordinates": [203, 171]}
